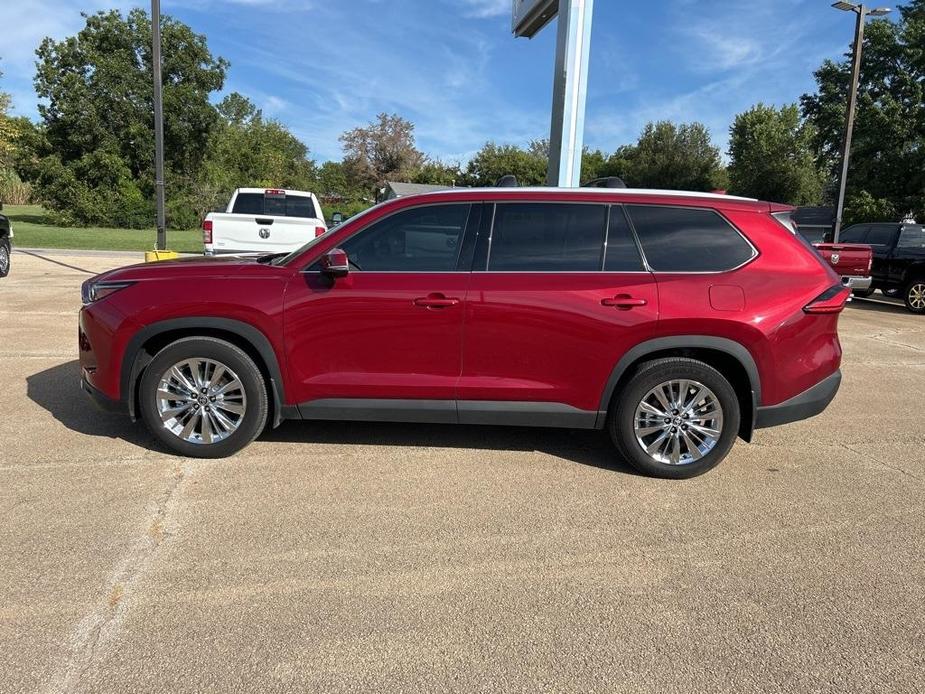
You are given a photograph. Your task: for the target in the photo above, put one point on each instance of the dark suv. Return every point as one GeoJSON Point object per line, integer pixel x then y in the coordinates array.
{"type": "Point", "coordinates": [899, 259]}
{"type": "Point", "coordinates": [678, 321]}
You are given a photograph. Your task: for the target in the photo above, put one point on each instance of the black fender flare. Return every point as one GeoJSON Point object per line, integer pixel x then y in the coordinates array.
{"type": "Point", "coordinates": [132, 365]}
{"type": "Point", "coordinates": [659, 344]}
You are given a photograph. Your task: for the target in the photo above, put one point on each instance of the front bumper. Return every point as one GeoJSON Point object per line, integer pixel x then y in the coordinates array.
{"type": "Point", "coordinates": [807, 404]}
{"type": "Point", "coordinates": [103, 401]}
{"type": "Point", "coordinates": [857, 282]}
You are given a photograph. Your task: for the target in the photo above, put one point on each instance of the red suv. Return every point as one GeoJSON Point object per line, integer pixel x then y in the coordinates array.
{"type": "Point", "coordinates": [678, 321]}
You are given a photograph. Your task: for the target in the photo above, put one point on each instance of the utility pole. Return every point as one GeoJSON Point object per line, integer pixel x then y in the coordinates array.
{"type": "Point", "coordinates": [158, 124]}
{"type": "Point", "coordinates": [862, 12]}
{"type": "Point", "coordinates": [570, 90]}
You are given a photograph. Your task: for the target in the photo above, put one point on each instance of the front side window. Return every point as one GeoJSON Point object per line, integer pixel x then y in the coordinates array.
{"type": "Point", "coordinates": [912, 237]}
{"type": "Point", "coordinates": [880, 235]}
{"type": "Point", "coordinates": [421, 239]}
{"type": "Point", "coordinates": [547, 237]}
{"type": "Point", "coordinates": [683, 239]}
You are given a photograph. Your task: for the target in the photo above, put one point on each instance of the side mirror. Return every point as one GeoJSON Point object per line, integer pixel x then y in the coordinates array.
{"type": "Point", "coordinates": [337, 218]}
{"type": "Point", "coordinates": [334, 263]}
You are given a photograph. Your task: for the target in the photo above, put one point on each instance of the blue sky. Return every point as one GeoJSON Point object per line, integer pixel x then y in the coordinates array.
{"type": "Point", "coordinates": [453, 68]}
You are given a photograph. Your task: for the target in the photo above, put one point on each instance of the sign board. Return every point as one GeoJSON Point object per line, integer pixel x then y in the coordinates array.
{"type": "Point", "coordinates": [530, 16]}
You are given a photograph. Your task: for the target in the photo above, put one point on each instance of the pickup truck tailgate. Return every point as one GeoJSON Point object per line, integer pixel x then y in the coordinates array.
{"type": "Point", "coordinates": [257, 233]}
{"type": "Point", "coordinates": [847, 259]}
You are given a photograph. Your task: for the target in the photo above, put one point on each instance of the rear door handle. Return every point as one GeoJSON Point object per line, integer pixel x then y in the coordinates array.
{"type": "Point", "coordinates": [435, 300]}
{"type": "Point", "coordinates": [623, 302]}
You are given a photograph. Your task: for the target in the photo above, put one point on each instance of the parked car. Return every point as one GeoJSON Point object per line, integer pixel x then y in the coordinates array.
{"type": "Point", "coordinates": [6, 235]}
{"type": "Point", "coordinates": [898, 259]}
{"type": "Point", "coordinates": [677, 321]}
{"type": "Point", "coordinates": [261, 220]}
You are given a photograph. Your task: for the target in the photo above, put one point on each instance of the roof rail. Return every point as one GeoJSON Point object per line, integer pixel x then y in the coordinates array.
{"type": "Point", "coordinates": [605, 182]}
{"type": "Point", "coordinates": [507, 181]}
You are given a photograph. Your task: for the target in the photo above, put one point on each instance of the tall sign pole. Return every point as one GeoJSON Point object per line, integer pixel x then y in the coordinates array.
{"type": "Point", "coordinates": [569, 93]}
{"type": "Point", "coordinates": [849, 118]}
{"type": "Point", "coordinates": [158, 124]}
{"type": "Point", "coordinates": [570, 81]}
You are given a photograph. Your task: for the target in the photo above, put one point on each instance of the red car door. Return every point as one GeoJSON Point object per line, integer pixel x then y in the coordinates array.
{"type": "Point", "coordinates": [563, 297]}
{"type": "Point", "coordinates": [392, 327]}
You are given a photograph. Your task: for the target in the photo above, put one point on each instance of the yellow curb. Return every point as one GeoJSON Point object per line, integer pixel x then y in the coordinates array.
{"type": "Point", "coordinates": [154, 256]}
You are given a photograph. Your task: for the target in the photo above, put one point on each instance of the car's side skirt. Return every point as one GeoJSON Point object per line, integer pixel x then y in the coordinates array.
{"type": "Point", "coordinates": [503, 412]}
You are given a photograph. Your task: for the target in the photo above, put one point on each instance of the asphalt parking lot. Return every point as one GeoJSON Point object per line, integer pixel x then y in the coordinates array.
{"type": "Point", "coordinates": [378, 557]}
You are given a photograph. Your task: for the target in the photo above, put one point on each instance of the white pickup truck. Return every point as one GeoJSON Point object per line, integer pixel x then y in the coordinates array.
{"type": "Point", "coordinates": [259, 220]}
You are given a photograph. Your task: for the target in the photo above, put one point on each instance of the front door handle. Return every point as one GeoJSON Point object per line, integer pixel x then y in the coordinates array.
{"type": "Point", "coordinates": [624, 302]}
{"type": "Point", "coordinates": [435, 300]}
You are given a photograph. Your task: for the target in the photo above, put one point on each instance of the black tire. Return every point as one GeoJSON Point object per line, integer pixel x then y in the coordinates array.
{"type": "Point", "coordinates": [914, 295]}
{"type": "Point", "coordinates": [863, 293]}
{"type": "Point", "coordinates": [5, 256]}
{"type": "Point", "coordinates": [649, 375]}
{"type": "Point", "coordinates": [249, 424]}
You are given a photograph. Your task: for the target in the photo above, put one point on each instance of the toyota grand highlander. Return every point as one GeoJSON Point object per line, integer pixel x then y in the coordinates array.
{"type": "Point", "coordinates": [676, 321]}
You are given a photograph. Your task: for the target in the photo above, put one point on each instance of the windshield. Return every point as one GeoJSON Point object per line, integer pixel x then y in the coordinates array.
{"type": "Point", "coordinates": [299, 251]}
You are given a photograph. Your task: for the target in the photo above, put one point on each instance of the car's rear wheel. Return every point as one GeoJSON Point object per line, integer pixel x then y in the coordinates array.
{"type": "Point", "coordinates": [915, 295]}
{"type": "Point", "coordinates": [675, 418]}
{"type": "Point", "coordinates": [203, 397]}
{"type": "Point", "coordinates": [4, 256]}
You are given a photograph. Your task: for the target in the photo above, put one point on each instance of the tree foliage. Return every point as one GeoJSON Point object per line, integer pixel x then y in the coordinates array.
{"type": "Point", "coordinates": [494, 161]}
{"type": "Point", "coordinates": [771, 156]}
{"type": "Point", "coordinates": [887, 167]}
{"type": "Point", "coordinates": [382, 150]}
{"type": "Point", "coordinates": [674, 157]}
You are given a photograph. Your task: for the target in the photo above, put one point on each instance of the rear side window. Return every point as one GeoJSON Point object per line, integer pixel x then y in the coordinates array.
{"type": "Point", "coordinates": [880, 235]}
{"type": "Point", "coordinates": [912, 237]}
{"type": "Point", "coordinates": [274, 205]}
{"type": "Point", "coordinates": [853, 234]}
{"type": "Point", "coordinates": [621, 254]}
{"type": "Point", "coordinates": [547, 237]}
{"type": "Point", "coordinates": [679, 239]}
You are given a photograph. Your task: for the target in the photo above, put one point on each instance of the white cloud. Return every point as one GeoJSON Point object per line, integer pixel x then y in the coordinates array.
{"type": "Point", "coordinates": [487, 8]}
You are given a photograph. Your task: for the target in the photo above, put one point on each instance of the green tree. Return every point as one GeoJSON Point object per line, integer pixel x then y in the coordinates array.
{"type": "Point", "coordinates": [437, 173]}
{"type": "Point", "coordinates": [674, 157]}
{"type": "Point", "coordinates": [887, 168]}
{"type": "Point", "coordinates": [380, 151]}
{"type": "Point", "coordinates": [98, 107]}
{"type": "Point", "coordinates": [494, 161]}
{"type": "Point", "coordinates": [771, 156]}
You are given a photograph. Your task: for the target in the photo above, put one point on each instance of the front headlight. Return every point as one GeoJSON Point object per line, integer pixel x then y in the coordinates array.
{"type": "Point", "coordinates": [91, 291]}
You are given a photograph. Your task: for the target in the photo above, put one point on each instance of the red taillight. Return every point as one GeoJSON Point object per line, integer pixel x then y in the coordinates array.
{"type": "Point", "coordinates": [207, 231]}
{"type": "Point", "coordinates": [319, 231]}
{"type": "Point", "coordinates": [832, 300]}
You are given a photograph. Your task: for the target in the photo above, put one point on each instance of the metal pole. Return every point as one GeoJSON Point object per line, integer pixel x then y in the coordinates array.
{"type": "Point", "coordinates": [849, 119]}
{"type": "Point", "coordinates": [570, 90]}
{"type": "Point", "coordinates": [158, 124]}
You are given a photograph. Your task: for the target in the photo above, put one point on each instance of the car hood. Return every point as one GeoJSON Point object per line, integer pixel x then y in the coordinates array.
{"type": "Point", "coordinates": [192, 266]}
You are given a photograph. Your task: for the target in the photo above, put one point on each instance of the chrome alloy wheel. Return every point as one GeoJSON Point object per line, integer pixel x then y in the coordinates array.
{"type": "Point", "coordinates": [678, 422]}
{"type": "Point", "coordinates": [4, 260]}
{"type": "Point", "coordinates": [201, 401]}
{"type": "Point", "coordinates": [917, 296]}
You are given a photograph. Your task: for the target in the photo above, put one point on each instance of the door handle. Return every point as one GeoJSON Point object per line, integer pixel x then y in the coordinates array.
{"type": "Point", "coordinates": [624, 302]}
{"type": "Point", "coordinates": [435, 301]}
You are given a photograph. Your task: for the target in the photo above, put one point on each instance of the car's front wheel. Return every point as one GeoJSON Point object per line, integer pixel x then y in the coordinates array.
{"type": "Point", "coordinates": [203, 397]}
{"type": "Point", "coordinates": [675, 418]}
{"type": "Point", "coordinates": [4, 256]}
{"type": "Point", "coordinates": [915, 295]}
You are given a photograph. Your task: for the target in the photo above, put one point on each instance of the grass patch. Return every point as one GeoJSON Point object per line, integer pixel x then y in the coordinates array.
{"type": "Point", "coordinates": [33, 229]}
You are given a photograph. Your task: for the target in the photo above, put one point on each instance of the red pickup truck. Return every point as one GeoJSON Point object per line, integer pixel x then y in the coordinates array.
{"type": "Point", "coordinates": [852, 261]}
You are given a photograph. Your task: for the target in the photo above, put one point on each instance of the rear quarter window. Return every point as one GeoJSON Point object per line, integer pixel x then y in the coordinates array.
{"type": "Point", "coordinates": [686, 239]}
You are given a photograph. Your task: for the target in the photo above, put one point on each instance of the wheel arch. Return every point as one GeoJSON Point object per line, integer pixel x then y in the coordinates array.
{"type": "Point", "coordinates": [730, 358]}
{"type": "Point", "coordinates": [154, 337]}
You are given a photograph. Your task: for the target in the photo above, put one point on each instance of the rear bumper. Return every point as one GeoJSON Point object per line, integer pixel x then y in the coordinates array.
{"type": "Point", "coordinates": [857, 282]}
{"type": "Point", "coordinates": [807, 404]}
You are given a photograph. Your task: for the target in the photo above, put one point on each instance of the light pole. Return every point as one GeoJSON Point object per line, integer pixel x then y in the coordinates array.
{"type": "Point", "coordinates": [862, 13]}
{"type": "Point", "coordinates": [158, 124]}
